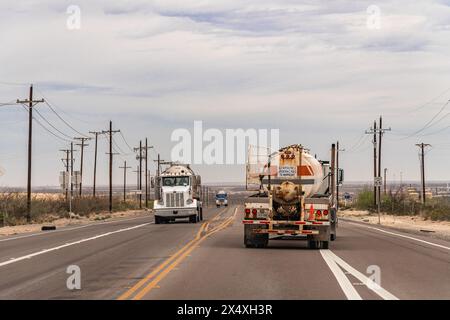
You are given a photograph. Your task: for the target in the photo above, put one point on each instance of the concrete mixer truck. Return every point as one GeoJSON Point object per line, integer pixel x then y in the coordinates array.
{"type": "Point", "coordinates": [295, 198]}
{"type": "Point", "coordinates": [178, 195]}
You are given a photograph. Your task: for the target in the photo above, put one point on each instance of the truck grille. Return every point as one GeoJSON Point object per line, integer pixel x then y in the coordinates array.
{"type": "Point", "coordinates": [175, 199]}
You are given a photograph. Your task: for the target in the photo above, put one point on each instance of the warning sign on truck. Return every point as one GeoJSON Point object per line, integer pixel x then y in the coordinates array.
{"type": "Point", "coordinates": [287, 171]}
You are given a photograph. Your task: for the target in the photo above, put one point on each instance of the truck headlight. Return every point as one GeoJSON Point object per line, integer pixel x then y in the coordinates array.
{"type": "Point", "coordinates": [189, 201]}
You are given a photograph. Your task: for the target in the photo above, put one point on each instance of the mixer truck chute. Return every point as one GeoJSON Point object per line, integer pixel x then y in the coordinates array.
{"type": "Point", "coordinates": [179, 191]}
{"type": "Point", "coordinates": [294, 199]}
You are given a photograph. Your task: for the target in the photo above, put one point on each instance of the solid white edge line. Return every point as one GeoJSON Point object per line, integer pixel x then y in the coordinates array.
{"type": "Point", "coordinates": [345, 284]}
{"type": "Point", "coordinates": [69, 244]}
{"type": "Point", "coordinates": [68, 228]}
{"type": "Point", "coordinates": [386, 295]}
{"type": "Point", "coordinates": [400, 235]}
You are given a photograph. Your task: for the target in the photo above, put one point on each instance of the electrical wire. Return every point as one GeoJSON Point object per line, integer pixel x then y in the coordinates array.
{"type": "Point", "coordinates": [46, 129]}
{"type": "Point", "coordinates": [63, 111]}
{"type": "Point", "coordinates": [430, 123]}
{"type": "Point", "coordinates": [123, 137]}
{"type": "Point", "coordinates": [65, 122]}
{"type": "Point", "coordinates": [51, 125]}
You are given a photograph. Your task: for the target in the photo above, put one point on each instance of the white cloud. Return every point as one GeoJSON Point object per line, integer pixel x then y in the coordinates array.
{"type": "Point", "coordinates": [311, 68]}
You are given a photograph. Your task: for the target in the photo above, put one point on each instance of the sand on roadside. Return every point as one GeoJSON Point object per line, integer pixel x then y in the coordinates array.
{"type": "Point", "coordinates": [413, 224]}
{"type": "Point", "coordinates": [76, 220]}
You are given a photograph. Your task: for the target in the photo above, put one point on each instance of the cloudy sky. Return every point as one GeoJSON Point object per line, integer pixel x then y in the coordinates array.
{"type": "Point", "coordinates": [319, 71]}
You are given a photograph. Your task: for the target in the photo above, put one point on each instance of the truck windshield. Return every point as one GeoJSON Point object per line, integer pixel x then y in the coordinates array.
{"type": "Point", "coordinates": [175, 181]}
{"type": "Point", "coordinates": [221, 196]}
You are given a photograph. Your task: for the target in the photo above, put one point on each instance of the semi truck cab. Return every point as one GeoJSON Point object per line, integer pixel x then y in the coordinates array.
{"type": "Point", "coordinates": [178, 195]}
{"type": "Point", "coordinates": [221, 199]}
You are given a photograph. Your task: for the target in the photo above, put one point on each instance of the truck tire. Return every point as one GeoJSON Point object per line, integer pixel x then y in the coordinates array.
{"type": "Point", "coordinates": [313, 244]}
{"type": "Point", "coordinates": [201, 214]}
{"type": "Point", "coordinates": [333, 236]}
{"type": "Point", "coordinates": [157, 220]}
{"type": "Point", "coordinates": [325, 244]}
{"type": "Point", "coordinates": [193, 219]}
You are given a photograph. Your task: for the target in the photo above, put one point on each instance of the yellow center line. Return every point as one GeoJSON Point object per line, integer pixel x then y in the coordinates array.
{"type": "Point", "coordinates": [138, 285]}
{"type": "Point", "coordinates": [153, 284]}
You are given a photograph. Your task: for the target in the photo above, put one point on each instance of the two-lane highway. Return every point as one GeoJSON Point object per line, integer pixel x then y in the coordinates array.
{"type": "Point", "coordinates": [136, 259]}
{"type": "Point", "coordinates": [364, 263]}
{"type": "Point", "coordinates": [111, 256]}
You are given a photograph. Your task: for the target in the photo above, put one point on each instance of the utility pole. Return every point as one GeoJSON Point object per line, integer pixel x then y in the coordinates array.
{"type": "Point", "coordinates": [125, 180]}
{"type": "Point", "coordinates": [71, 177]}
{"type": "Point", "coordinates": [96, 133]}
{"type": "Point", "coordinates": [31, 103]}
{"type": "Point", "coordinates": [337, 174]}
{"type": "Point", "coordinates": [377, 171]}
{"type": "Point", "coordinates": [422, 147]}
{"type": "Point", "coordinates": [157, 180]}
{"type": "Point", "coordinates": [147, 148]}
{"type": "Point", "coordinates": [82, 145]}
{"type": "Point", "coordinates": [333, 172]}
{"type": "Point", "coordinates": [66, 165]}
{"type": "Point", "coordinates": [142, 157]}
{"type": "Point", "coordinates": [110, 133]}
{"type": "Point", "coordinates": [137, 181]}
{"type": "Point", "coordinates": [139, 157]}
{"type": "Point", "coordinates": [385, 182]}
{"type": "Point", "coordinates": [373, 131]}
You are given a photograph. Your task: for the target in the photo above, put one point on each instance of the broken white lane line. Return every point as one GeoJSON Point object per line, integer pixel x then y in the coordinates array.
{"type": "Point", "coordinates": [329, 256]}
{"type": "Point", "coordinates": [401, 235]}
{"type": "Point", "coordinates": [346, 286]}
{"type": "Point", "coordinates": [29, 256]}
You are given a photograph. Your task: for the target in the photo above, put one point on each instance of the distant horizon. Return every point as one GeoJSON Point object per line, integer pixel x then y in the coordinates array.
{"type": "Point", "coordinates": [228, 184]}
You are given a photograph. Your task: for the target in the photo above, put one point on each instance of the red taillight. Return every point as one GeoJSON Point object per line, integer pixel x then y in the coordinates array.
{"type": "Point", "coordinates": [325, 212]}
{"type": "Point", "coordinates": [319, 213]}
{"type": "Point", "coordinates": [254, 212]}
{"type": "Point", "coordinates": [247, 211]}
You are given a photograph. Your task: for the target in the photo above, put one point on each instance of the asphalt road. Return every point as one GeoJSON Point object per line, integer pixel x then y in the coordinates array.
{"type": "Point", "coordinates": [136, 259]}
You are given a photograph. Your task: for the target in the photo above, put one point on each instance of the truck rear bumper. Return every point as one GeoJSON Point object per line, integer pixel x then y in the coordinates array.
{"type": "Point", "coordinates": [175, 212]}
{"type": "Point", "coordinates": [317, 230]}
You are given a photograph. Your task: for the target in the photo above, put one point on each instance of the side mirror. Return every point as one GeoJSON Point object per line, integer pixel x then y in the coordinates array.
{"type": "Point", "coordinates": [199, 179]}
{"type": "Point", "coordinates": [152, 182]}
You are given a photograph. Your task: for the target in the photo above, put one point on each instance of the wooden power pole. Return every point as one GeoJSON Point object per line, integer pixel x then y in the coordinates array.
{"type": "Point", "coordinates": [96, 133]}
{"type": "Point", "coordinates": [111, 154]}
{"type": "Point", "coordinates": [125, 180]}
{"type": "Point", "coordinates": [82, 145]}
{"type": "Point", "coordinates": [31, 103]}
{"type": "Point", "coordinates": [332, 173]}
{"type": "Point", "coordinates": [422, 147]}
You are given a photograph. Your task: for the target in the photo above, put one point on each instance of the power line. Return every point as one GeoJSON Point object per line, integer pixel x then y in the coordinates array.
{"type": "Point", "coordinates": [45, 128]}
{"type": "Point", "coordinates": [119, 148]}
{"type": "Point", "coordinates": [67, 114]}
{"type": "Point", "coordinates": [65, 122]}
{"type": "Point", "coordinates": [125, 140]}
{"type": "Point", "coordinates": [429, 124]}
{"type": "Point", "coordinates": [51, 125]}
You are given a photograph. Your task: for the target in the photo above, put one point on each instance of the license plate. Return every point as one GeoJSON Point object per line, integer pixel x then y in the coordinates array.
{"type": "Point", "coordinates": [261, 215]}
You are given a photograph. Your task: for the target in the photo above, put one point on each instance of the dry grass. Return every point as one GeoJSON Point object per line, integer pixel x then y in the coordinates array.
{"type": "Point", "coordinates": [49, 207]}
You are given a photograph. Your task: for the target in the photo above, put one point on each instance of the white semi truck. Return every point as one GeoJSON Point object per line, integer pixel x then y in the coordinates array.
{"type": "Point", "coordinates": [178, 195]}
{"type": "Point", "coordinates": [295, 198]}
